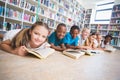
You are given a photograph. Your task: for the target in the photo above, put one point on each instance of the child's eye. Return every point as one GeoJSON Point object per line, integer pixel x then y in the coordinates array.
{"type": "Point", "coordinates": [44, 36]}
{"type": "Point", "coordinates": [36, 33]}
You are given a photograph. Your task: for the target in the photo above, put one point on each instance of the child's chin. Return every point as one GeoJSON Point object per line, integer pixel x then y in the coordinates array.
{"type": "Point", "coordinates": [61, 38]}
{"type": "Point", "coordinates": [37, 44]}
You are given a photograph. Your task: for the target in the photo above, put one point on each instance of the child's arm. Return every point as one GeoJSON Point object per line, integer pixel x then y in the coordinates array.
{"type": "Point", "coordinates": [5, 45]}
{"type": "Point", "coordinates": [63, 46]}
{"type": "Point", "coordinates": [1, 36]}
{"type": "Point", "coordinates": [70, 46]}
{"type": "Point", "coordinates": [58, 48]}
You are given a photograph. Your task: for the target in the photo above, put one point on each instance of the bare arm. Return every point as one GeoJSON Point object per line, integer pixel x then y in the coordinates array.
{"type": "Point", "coordinates": [72, 47]}
{"type": "Point", "coordinates": [58, 48]}
{"type": "Point", "coordinates": [6, 46]}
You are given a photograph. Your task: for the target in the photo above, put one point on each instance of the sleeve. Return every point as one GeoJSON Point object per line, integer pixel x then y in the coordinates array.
{"type": "Point", "coordinates": [66, 39]}
{"type": "Point", "coordinates": [76, 41]}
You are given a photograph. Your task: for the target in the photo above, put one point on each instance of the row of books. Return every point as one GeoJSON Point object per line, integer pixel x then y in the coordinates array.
{"type": "Point", "coordinates": [3, 0]}
{"type": "Point", "coordinates": [9, 26]}
{"type": "Point", "coordinates": [103, 27]}
{"type": "Point", "coordinates": [103, 33]}
{"type": "Point", "coordinates": [116, 8]}
{"type": "Point", "coordinates": [93, 27]}
{"type": "Point", "coordinates": [19, 3]}
{"type": "Point", "coordinates": [114, 33]}
{"type": "Point", "coordinates": [30, 7]}
{"type": "Point", "coordinates": [115, 21]}
{"type": "Point", "coordinates": [114, 27]}
{"type": "Point", "coordinates": [13, 13]}
{"type": "Point", "coordinates": [2, 10]}
{"type": "Point", "coordinates": [30, 18]}
{"type": "Point", "coordinates": [86, 21]}
{"type": "Point", "coordinates": [116, 15]}
{"type": "Point", "coordinates": [114, 42]}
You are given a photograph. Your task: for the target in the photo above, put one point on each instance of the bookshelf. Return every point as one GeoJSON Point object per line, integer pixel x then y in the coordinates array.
{"type": "Point", "coordinates": [101, 28]}
{"type": "Point", "coordinates": [17, 14]}
{"type": "Point", "coordinates": [114, 27]}
{"type": "Point", "coordinates": [87, 17]}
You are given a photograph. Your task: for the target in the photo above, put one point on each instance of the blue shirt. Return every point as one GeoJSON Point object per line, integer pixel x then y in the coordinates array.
{"type": "Point", "coordinates": [54, 40]}
{"type": "Point", "coordinates": [70, 40]}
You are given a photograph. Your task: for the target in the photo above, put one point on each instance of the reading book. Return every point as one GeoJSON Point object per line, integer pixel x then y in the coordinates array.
{"type": "Point", "coordinates": [41, 53]}
{"type": "Point", "coordinates": [92, 52]}
{"type": "Point", "coordinates": [75, 54]}
{"type": "Point", "coordinates": [109, 48]}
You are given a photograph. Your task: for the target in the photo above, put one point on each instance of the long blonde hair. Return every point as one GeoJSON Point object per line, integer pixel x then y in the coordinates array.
{"type": "Point", "coordinates": [23, 37]}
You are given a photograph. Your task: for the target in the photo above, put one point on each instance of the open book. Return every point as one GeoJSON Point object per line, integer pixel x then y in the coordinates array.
{"type": "Point", "coordinates": [41, 53]}
{"type": "Point", "coordinates": [75, 54]}
{"type": "Point", "coordinates": [109, 48]}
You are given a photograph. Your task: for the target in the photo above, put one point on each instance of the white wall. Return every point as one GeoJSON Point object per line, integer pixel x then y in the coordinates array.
{"type": "Point", "coordinates": [117, 1]}
{"type": "Point", "coordinates": [90, 4]}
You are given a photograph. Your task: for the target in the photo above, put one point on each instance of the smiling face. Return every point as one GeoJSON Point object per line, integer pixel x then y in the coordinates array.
{"type": "Point", "coordinates": [38, 36]}
{"type": "Point", "coordinates": [61, 31]}
{"type": "Point", "coordinates": [108, 39]}
{"type": "Point", "coordinates": [85, 33]}
{"type": "Point", "coordinates": [74, 33]}
{"type": "Point", "coordinates": [91, 38]}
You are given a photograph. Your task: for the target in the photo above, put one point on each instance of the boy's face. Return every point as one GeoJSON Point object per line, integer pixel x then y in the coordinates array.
{"type": "Point", "coordinates": [108, 39]}
{"type": "Point", "coordinates": [61, 31]}
{"type": "Point", "coordinates": [74, 33]}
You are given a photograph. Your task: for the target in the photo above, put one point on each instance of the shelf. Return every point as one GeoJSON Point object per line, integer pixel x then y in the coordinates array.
{"type": "Point", "coordinates": [3, 1]}
{"type": "Point", "coordinates": [113, 30]}
{"type": "Point", "coordinates": [29, 12]}
{"type": "Point", "coordinates": [27, 22]}
{"type": "Point", "coordinates": [15, 7]}
{"type": "Point", "coordinates": [116, 11]}
{"type": "Point", "coordinates": [114, 23]}
{"type": "Point", "coordinates": [102, 29]}
{"type": "Point", "coordinates": [13, 19]}
{"type": "Point", "coordinates": [115, 17]}
{"type": "Point", "coordinates": [1, 16]}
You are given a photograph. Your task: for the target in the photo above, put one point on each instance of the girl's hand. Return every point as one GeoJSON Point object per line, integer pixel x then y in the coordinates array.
{"type": "Point", "coordinates": [21, 51]}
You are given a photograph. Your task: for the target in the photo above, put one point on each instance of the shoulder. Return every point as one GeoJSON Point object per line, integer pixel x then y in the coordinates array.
{"type": "Point", "coordinates": [53, 34]}
{"type": "Point", "coordinates": [68, 34]}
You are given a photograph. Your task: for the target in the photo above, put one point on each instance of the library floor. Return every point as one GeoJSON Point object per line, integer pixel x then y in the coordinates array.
{"type": "Point", "coordinates": [104, 66]}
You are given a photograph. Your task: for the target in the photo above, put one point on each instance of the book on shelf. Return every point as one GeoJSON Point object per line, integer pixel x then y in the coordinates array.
{"type": "Point", "coordinates": [13, 14]}
{"type": "Point", "coordinates": [41, 53]}
{"type": "Point", "coordinates": [9, 26]}
{"type": "Point", "coordinates": [2, 11]}
{"type": "Point", "coordinates": [19, 3]}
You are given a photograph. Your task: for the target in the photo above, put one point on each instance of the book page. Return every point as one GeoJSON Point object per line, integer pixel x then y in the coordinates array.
{"type": "Point", "coordinates": [41, 53]}
{"type": "Point", "coordinates": [75, 54]}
